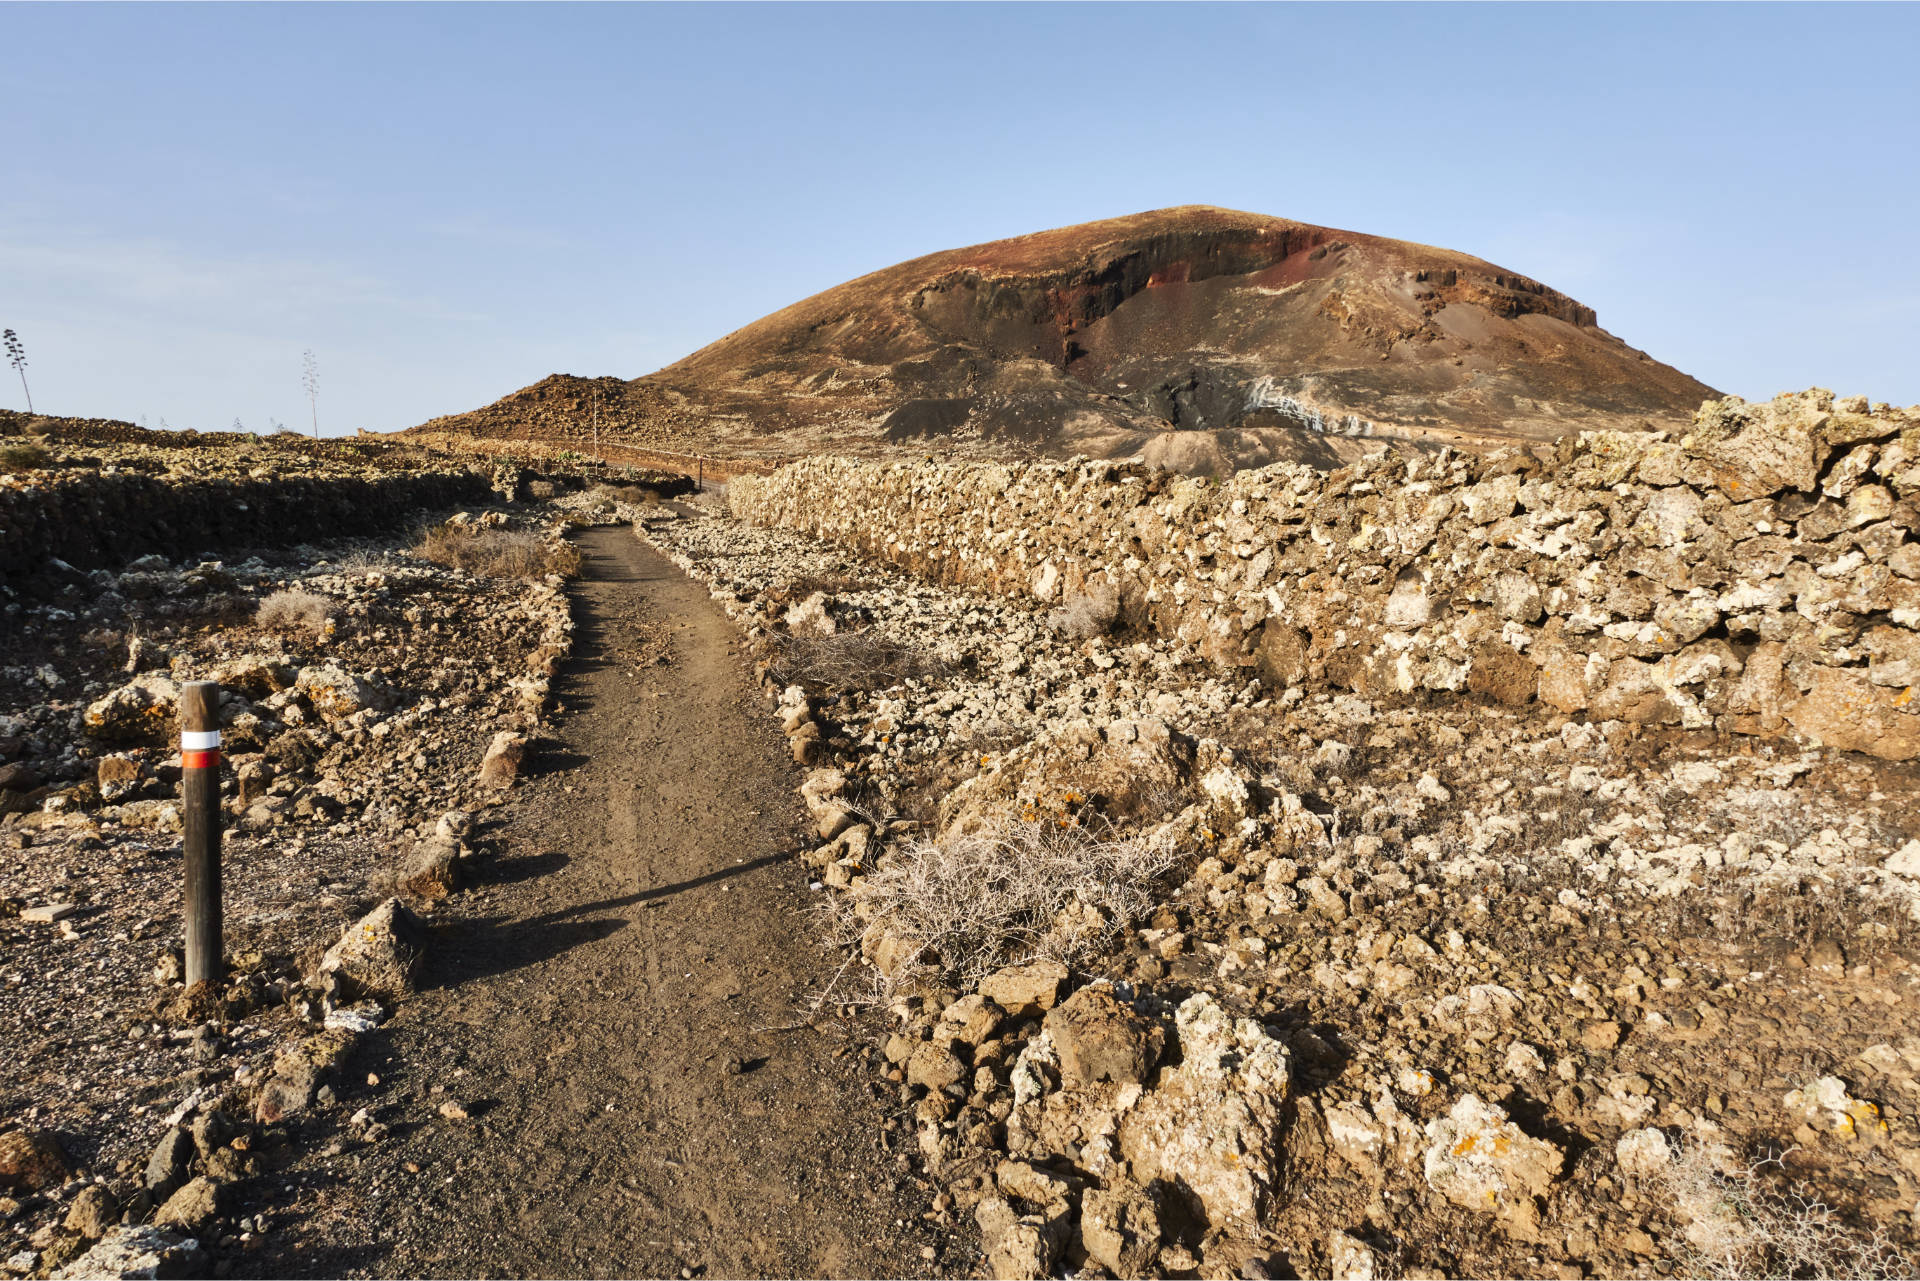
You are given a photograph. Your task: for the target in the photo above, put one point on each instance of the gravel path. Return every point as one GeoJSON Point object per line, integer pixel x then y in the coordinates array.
{"type": "Point", "coordinates": [622, 1014]}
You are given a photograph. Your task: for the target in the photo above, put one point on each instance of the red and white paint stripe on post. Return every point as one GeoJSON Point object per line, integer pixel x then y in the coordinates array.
{"type": "Point", "coordinates": [200, 749]}
{"type": "Point", "coordinates": [200, 794]}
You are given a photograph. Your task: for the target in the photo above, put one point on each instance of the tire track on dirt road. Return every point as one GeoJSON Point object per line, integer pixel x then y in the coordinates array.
{"type": "Point", "coordinates": [600, 1008]}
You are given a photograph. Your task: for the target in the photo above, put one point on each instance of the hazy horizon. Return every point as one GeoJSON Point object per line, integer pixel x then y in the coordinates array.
{"type": "Point", "coordinates": [446, 203]}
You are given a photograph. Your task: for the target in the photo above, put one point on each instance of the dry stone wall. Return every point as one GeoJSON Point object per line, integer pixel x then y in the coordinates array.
{"type": "Point", "coordinates": [1759, 574]}
{"type": "Point", "coordinates": [91, 518]}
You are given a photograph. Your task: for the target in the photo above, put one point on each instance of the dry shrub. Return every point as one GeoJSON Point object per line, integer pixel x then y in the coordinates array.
{"type": "Point", "coordinates": [863, 660]}
{"type": "Point", "coordinates": [632, 495]}
{"type": "Point", "coordinates": [1740, 1224]}
{"type": "Point", "coordinates": [26, 456]}
{"type": "Point", "coordinates": [289, 610]}
{"type": "Point", "coordinates": [1087, 614]}
{"type": "Point", "coordinates": [1026, 890]}
{"type": "Point", "coordinates": [498, 553]}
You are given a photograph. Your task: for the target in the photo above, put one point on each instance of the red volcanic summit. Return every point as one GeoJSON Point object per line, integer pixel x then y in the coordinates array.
{"type": "Point", "coordinates": [1193, 333]}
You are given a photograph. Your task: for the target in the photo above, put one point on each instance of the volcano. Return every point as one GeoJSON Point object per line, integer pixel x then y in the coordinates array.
{"type": "Point", "coordinates": [1201, 337]}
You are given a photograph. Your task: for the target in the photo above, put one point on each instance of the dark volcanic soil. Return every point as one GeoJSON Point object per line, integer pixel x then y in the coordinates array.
{"type": "Point", "coordinates": [623, 1016]}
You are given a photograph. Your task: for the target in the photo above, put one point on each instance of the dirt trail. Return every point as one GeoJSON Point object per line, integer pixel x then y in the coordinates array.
{"type": "Point", "coordinates": [615, 1009]}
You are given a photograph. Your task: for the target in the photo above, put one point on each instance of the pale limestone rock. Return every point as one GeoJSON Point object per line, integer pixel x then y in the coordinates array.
{"type": "Point", "coordinates": [1479, 1160]}
{"type": "Point", "coordinates": [1209, 1124]}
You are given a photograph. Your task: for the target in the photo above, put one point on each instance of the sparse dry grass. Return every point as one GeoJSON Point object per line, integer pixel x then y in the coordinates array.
{"type": "Point", "coordinates": [498, 553]}
{"type": "Point", "coordinates": [1739, 1223]}
{"type": "Point", "coordinates": [290, 610]}
{"type": "Point", "coordinates": [24, 456]}
{"type": "Point", "coordinates": [1086, 614]}
{"type": "Point", "coordinates": [1027, 890]}
{"type": "Point", "coordinates": [862, 660]}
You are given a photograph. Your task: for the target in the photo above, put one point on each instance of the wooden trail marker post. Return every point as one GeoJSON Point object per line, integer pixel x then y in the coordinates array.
{"type": "Point", "coordinates": [200, 791]}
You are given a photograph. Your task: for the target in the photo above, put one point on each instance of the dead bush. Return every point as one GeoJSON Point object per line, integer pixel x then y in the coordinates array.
{"type": "Point", "coordinates": [498, 553]}
{"type": "Point", "coordinates": [863, 660]}
{"type": "Point", "coordinates": [289, 610]}
{"type": "Point", "coordinates": [632, 495]}
{"type": "Point", "coordinates": [25, 456]}
{"type": "Point", "coordinates": [1086, 614]}
{"type": "Point", "coordinates": [1739, 1223]}
{"type": "Point", "coordinates": [1027, 890]}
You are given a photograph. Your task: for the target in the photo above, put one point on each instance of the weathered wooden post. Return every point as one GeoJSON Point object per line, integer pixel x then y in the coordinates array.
{"type": "Point", "coordinates": [700, 482]}
{"type": "Point", "coordinates": [200, 791]}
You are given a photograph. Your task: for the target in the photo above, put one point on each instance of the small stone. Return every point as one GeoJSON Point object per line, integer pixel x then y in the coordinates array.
{"type": "Point", "coordinates": [453, 1111]}
{"type": "Point", "coordinates": [48, 913]}
{"type": "Point", "coordinates": [1601, 1035]}
{"type": "Point", "coordinates": [1018, 1247]}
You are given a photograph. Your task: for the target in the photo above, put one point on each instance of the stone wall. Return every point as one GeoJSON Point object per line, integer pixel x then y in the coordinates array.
{"type": "Point", "coordinates": [93, 517]}
{"type": "Point", "coordinates": [1756, 575]}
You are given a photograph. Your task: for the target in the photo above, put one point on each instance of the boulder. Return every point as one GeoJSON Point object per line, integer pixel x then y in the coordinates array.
{"type": "Point", "coordinates": [170, 1162]}
{"type": "Point", "coordinates": [1847, 711]}
{"type": "Point", "coordinates": [501, 765]}
{"type": "Point", "coordinates": [1479, 1160]}
{"type": "Point", "coordinates": [142, 710]}
{"type": "Point", "coordinates": [934, 1066]}
{"type": "Point", "coordinates": [431, 869]}
{"type": "Point", "coordinates": [1643, 1153]}
{"type": "Point", "coordinates": [31, 1161]}
{"type": "Point", "coordinates": [1209, 1128]}
{"type": "Point", "coordinates": [1019, 1247]}
{"type": "Point", "coordinates": [380, 954]}
{"type": "Point", "coordinates": [193, 1207]}
{"type": "Point", "coordinates": [93, 1212]}
{"type": "Point", "coordinates": [1100, 1039]}
{"type": "Point", "coordinates": [1120, 1228]}
{"type": "Point", "coordinates": [1024, 991]}
{"type": "Point", "coordinates": [137, 1252]}
{"type": "Point", "coordinates": [297, 1074]}
{"type": "Point", "coordinates": [971, 1020]}
{"type": "Point", "coordinates": [336, 693]}
{"type": "Point", "coordinates": [1349, 1258]}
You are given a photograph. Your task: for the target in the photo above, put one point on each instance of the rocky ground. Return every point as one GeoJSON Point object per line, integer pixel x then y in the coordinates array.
{"type": "Point", "coordinates": [363, 685]}
{"type": "Point", "coordinates": [1425, 988]}
{"type": "Point", "coordinates": [1172, 974]}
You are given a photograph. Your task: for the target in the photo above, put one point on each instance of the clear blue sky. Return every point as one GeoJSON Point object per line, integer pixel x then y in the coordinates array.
{"type": "Point", "coordinates": [447, 202]}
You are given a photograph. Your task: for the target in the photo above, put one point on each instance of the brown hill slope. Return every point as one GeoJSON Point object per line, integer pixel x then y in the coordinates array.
{"type": "Point", "coordinates": [1189, 333]}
